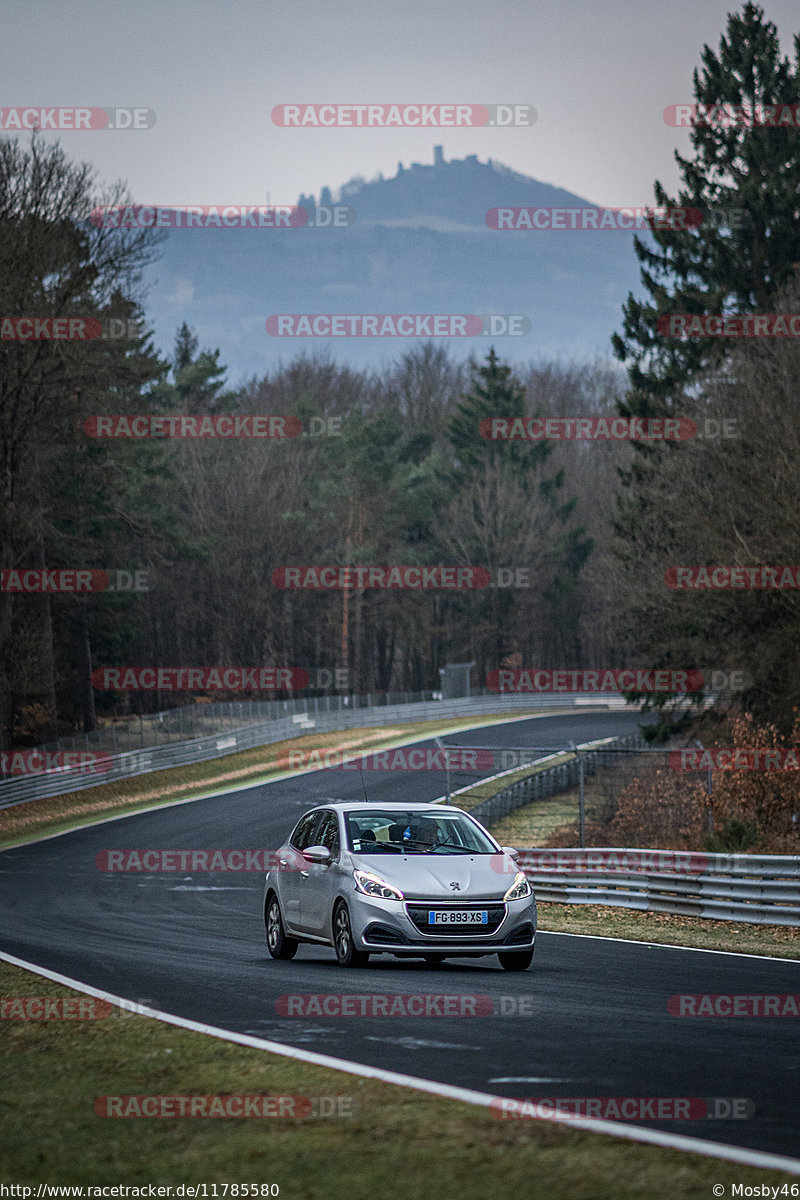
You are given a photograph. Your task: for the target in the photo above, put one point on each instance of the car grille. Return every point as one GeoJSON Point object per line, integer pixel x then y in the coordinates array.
{"type": "Point", "coordinates": [419, 916]}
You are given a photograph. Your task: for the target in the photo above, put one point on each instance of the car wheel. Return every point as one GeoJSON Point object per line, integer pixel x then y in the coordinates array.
{"type": "Point", "coordinates": [346, 953]}
{"type": "Point", "coordinates": [278, 944]}
{"type": "Point", "coordinates": [516, 960]}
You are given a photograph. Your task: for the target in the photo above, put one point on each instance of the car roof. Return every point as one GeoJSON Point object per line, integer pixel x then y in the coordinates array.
{"type": "Point", "coordinates": [388, 806]}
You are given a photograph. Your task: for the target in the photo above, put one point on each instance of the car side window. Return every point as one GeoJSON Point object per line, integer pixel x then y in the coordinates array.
{"type": "Point", "coordinates": [328, 833]}
{"type": "Point", "coordinates": [301, 838]}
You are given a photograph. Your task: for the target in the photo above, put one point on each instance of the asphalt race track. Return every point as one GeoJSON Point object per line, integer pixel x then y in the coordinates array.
{"type": "Point", "coordinates": [589, 1019]}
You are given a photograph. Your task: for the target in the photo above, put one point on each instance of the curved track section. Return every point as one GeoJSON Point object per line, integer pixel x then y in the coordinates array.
{"type": "Point", "coordinates": [589, 1019]}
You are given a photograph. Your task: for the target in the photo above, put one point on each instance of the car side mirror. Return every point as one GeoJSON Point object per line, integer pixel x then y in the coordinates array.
{"type": "Point", "coordinates": [317, 854]}
{"type": "Point", "coordinates": [510, 850]}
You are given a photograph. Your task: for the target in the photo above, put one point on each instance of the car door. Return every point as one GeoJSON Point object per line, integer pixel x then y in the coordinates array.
{"type": "Point", "coordinates": [293, 868]}
{"type": "Point", "coordinates": [318, 888]}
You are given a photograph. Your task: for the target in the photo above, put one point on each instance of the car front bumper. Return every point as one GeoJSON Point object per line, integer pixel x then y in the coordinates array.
{"type": "Point", "coordinates": [385, 926]}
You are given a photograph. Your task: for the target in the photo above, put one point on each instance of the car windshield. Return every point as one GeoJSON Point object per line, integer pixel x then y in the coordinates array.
{"type": "Point", "coordinates": [373, 831]}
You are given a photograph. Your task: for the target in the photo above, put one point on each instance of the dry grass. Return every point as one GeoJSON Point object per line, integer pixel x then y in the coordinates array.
{"type": "Point", "coordinates": [395, 1141]}
{"type": "Point", "coordinates": [670, 929]}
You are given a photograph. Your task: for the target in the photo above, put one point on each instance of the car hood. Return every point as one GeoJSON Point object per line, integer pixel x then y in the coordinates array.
{"type": "Point", "coordinates": [431, 876]}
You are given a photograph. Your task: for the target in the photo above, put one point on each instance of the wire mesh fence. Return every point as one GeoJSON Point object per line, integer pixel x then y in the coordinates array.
{"type": "Point", "coordinates": [548, 811]}
{"type": "Point", "coordinates": [633, 794]}
{"type": "Point", "coordinates": [144, 730]}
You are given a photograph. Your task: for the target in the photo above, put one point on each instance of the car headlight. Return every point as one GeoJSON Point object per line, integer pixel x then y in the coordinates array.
{"type": "Point", "coordinates": [519, 889]}
{"type": "Point", "coordinates": [373, 885]}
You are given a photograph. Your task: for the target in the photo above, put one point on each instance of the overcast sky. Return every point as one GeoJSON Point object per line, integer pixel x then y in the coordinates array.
{"type": "Point", "coordinates": [598, 72]}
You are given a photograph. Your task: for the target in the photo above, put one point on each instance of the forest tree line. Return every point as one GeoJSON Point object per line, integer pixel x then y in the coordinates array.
{"type": "Point", "coordinates": [401, 473]}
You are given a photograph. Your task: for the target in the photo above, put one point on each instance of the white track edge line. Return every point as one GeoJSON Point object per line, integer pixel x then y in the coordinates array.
{"type": "Point", "coordinates": [601, 937]}
{"type": "Point", "coordinates": [653, 1137]}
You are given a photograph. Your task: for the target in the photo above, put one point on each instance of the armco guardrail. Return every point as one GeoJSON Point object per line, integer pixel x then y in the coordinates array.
{"type": "Point", "coordinates": [547, 781]}
{"type": "Point", "coordinates": [760, 889]}
{"type": "Point", "coordinates": [316, 714]}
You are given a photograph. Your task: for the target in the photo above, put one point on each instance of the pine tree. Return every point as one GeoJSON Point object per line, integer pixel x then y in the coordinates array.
{"type": "Point", "coordinates": [746, 173]}
{"type": "Point", "coordinates": [494, 392]}
{"type": "Point", "coordinates": [198, 378]}
{"type": "Point", "coordinates": [186, 347]}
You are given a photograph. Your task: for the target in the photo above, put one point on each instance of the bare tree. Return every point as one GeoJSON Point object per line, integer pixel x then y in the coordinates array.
{"type": "Point", "coordinates": [54, 262]}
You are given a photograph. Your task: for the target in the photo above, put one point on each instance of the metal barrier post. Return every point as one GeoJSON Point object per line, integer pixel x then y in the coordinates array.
{"type": "Point", "coordinates": [581, 807]}
{"type": "Point", "coordinates": [442, 746]}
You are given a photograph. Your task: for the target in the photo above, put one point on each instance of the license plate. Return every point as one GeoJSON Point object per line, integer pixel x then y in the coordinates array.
{"type": "Point", "coordinates": [458, 916]}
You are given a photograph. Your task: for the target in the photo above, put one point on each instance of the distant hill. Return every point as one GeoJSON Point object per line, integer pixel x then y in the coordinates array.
{"type": "Point", "coordinates": [419, 244]}
{"type": "Point", "coordinates": [460, 191]}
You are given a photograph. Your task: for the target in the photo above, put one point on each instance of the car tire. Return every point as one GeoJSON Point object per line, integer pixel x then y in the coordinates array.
{"type": "Point", "coordinates": [346, 953]}
{"type": "Point", "coordinates": [516, 960]}
{"type": "Point", "coordinates": [278, 944]}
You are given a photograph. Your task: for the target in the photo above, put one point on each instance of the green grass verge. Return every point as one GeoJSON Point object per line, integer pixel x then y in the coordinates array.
{"type": "Point", "coordinates": [554, 820]}
{"type": "Point", "coordinates": [668, 929]}
{"type": "Point", "coordinates": [470, 797]}
{"type": "Point", "coordinates": [536, 823]}
{"type": "Point", "coordinates": [396, 1142]}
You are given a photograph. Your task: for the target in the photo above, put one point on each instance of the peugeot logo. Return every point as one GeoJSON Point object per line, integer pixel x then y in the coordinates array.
{"type": "Point", "coordinates": [455, 886]}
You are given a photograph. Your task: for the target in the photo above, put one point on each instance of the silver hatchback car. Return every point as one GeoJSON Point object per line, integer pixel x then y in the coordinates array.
{"type": "Point", "coordinates": [412, 880]}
